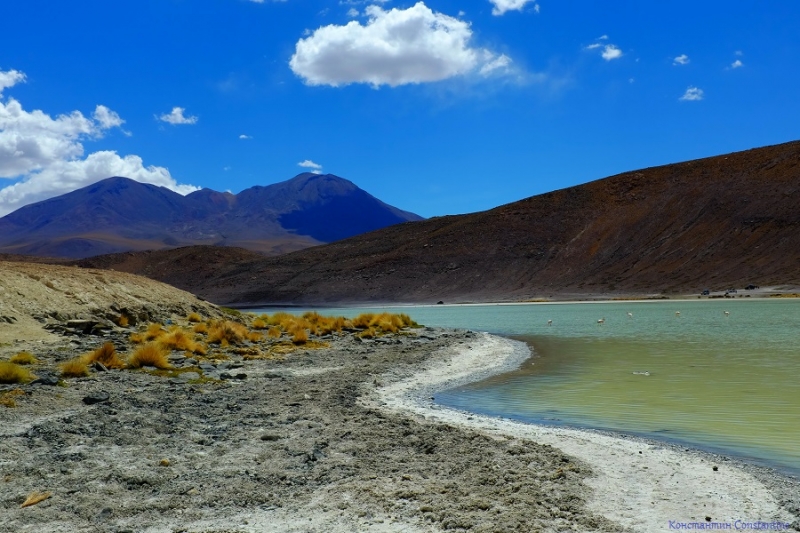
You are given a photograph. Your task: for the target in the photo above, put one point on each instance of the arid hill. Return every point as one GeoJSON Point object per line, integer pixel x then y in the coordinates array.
{"type": "Point", "coordinates": [723, 221]}
{"type": "Point", "coordinates": [119, 214]}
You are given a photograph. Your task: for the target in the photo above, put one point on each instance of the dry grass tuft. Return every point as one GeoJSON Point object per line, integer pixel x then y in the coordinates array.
{"type": "Point", "coordinates": [36, 497]}
{"type": "Point", "coordinates": [225, 332]}
{"type": "Point", "coordinates": [201, 328]}
{"type": "Point", "coordinates": [179, 339]}
{"type": "Point", "coordinates": [194, 317]}
{"type": "Point", "coordinates": [8, 398]}
{"type": "Point", "coordinates": [24, 358]}
{"type": "Point", "coordinates": [259, 323]}
{"type": "Point", "coordinates": [75, 368]}
{"type": "Point", "coordinates": [122, 321]}
{"type": "Point", "coordinates": [274, 332]}
{"type": "Point", "coordinates": [150, 354]}
{"type": "Point", "coordinates": [106, 355]}
{"type": "Point", "coordinates": [299, 335]}
{"type": "Point", "coordinates": [13, 373]}
{"type": "Point", "coordinates": [255, 336]}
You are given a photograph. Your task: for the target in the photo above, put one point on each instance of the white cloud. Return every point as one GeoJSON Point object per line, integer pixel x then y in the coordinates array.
{"type": "Point", "coordinates": [107, 118]}
{"type": "Point", "coordinates": [245, 137]}
{"type": "Point", "coordinates": [310, 164]}
{"type": "Point", "coordinates": [500, 62]}
{"type": "Point", "coordinates": [176, 117]}
{"type": "Point", "coordinates": [503, 6]}
{"type": "Point", "coordinates": [45, 154]}
{"type": "Point", "coordinates": [611, 52]}
{"type": "Point", "coordinates": [737, 64]}
{"type": "Point", "coordinates": [682, 59]}
{"type": "Point", "coordinates": [353, 12]}
{"type": "Point", "coordinates": [395, 47]}
{"type": "Point", "coordinates": [10, 78]}
{"type": "Point", "coordinates": [692, 94]}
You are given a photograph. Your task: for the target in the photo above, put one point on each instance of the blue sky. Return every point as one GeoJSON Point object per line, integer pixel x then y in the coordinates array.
{"type": "Point", "coordinates": [439, 107]}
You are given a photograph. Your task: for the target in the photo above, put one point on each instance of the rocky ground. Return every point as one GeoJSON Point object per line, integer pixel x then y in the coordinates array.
{"type": "Point", "coordinates": [282, 444]}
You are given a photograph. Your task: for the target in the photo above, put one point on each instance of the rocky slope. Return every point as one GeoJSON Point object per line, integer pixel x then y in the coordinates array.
{"type": "Point", "coordinates": [119, 214]}
{"type": "Point", "coordinates": [725, 221]}
{"type": "Point", "coordinates": [36, 296]}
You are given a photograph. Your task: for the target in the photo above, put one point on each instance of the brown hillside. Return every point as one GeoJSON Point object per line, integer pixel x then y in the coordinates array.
{"type": "Point", "coordinates": [716, 222]}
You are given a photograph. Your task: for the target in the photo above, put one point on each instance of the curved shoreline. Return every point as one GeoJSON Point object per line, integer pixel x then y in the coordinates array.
{"type": "Point", "coordinates": [639, 483]}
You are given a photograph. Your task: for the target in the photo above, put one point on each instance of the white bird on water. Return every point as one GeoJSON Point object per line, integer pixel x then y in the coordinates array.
{"type": "Point", "coordinates": [727, 313]}
{"type": "Point", "coordinates": [630, 315]}
{"type": "Point", "coordinates": [601, 320]}
{"type": "Point", "coordinates": [677, 313]}
{"type": "Point", "coordinates": [549, 322]}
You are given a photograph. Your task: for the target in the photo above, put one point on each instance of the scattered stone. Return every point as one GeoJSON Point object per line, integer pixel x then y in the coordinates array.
{"type": "Point", "coordinates": [164, 462]}
{"type": "Point", "coordinates": [96, 397]}
{"type": "Point", "coordinates": [46, 379]}
{"type": "Point", "coordinates": [189, 376]}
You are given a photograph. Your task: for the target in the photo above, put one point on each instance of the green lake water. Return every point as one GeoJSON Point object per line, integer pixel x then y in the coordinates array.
{"type": "Point", "coordinates": [729, 383]}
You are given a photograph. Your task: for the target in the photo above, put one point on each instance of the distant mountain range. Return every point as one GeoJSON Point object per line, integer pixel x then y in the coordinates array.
{"type": "Point", "coordinates": [119, 214]}
{"type": "Point", "coordinates": [725, 221]}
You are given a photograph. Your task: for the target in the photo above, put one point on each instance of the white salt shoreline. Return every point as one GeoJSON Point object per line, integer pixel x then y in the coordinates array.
{"type": "Point", "coordinates": [641, 485]}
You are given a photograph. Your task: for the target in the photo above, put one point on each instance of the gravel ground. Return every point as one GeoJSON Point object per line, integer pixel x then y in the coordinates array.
{"type": "Point", "coordinates": [272, 445]}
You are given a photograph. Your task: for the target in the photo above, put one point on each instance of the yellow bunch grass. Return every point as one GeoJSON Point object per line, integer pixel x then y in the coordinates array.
{"type": "Point", "coordinates": [122, 321]}
{"type": "Point", "coordinates": [179, 339]}
{"type": "Point", "coordinates": [274, 332]}
{"type": "Point", "coordinates": [105, 355]}
{"type": "Point", "coordinates": [225, 332]}
{"type": "Point", "coordinates": [299, 335]}
{"type": "Point", "coordinates": [24, 358]}
{"type": "Point", "coordinates": [201, 328]}
{"type": "Point", "coordinates": [13, 373]}
{"type": "Point", "coordinates": [194, 317]}
{"type": "Point", "coordinates": [7, 399]}
{"type": "Point", "coordinates": [259, 323]}
{"type": "Point", "coordinates": [150, 354]}
{"type": "Point", "coordinates": [75, 368]}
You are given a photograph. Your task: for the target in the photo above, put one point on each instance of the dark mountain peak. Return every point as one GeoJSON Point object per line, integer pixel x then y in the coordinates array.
{"type": "Point", "coordinates": [119, 214]}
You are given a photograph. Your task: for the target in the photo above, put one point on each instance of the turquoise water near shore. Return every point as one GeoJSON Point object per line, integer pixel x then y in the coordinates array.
{"type": "Point", "coordinates": [683, 371]}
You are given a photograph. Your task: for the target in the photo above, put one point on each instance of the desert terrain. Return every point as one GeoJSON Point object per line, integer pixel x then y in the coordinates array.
{"type": "Point", "coordinates": [337, 433]}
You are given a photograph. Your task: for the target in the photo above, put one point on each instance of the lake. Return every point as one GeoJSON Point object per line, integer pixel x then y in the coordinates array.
{"type": "Point", "coordinates": [682, 371]}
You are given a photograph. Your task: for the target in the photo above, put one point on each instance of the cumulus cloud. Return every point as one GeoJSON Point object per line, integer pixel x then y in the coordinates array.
{"type": "Point", "coordinates": [44, 155]}
{"type": "Point", "coordinates": [176, 117]}
{"type": "Point", "coordinates": [609, 51]}
{"type": "Point", "coordinates": [692, 94]}
{"type": "Point", "coordinates": [353, 13]}
{"type": "Point", "coordinates": [503, 6]}
{"type": "Point", "coordinates": [309, 164]}
{"type": "Point", "coordinates": [682, 59]}
{"type": "Point", "coordinates": [244, 137]}
{"type": "Point", "coordinates": [737, 64]}
{"type": "Point", "coordinates": [395, 47]}
{"type": "Point", "coordinates": [10, 78]}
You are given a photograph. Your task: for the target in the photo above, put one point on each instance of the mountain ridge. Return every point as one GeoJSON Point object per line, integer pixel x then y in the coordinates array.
{"type": "Point", "coordinates": [718, 222]}
{"type": "Point", "coordinates": [118, 214]}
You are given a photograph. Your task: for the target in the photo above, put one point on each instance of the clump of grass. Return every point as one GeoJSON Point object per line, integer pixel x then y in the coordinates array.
{"type": "Point", "coordinates": [24, 358]}
{"type": "Point", "coordinates": [201, 327]}
{"type": "Point", "coordinates": [259, 323]}
{"type": "Point", "coordinates": [122, 321]}
{"type": "Point", "coordinates": [274, 332]}
{"type": "Point", "coordinates": [14, 373]}
{"type": "Point", "coordinates": [255, 336]}
{"type": "Point", "coordinates": [150, 354]}
{"type": "Point", "coordinates": [75, 368]}
{"type": "Point", "coordinates": [8, 398]}
{"type": "Point", "coordinates": [299, 335]}
{"type": "Point", "coordinates": [105, 355]}
{"type": "Point", "coordinates": [225, 332]}
{"type": "Point", "coordinates": [230, 311]}
{"type": "Point", "coordinates": [151, 333]}
{"type": "Point", "coordinates": [179, 339]}
{"type": "Point", "coordinates": [194, 317]}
